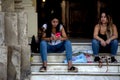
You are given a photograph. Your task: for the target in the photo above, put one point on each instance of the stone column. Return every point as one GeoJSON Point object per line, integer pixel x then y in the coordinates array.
{"type": "Point", "coordinates": [63, 11]}
{"type": "Point", "coordinates": [14, 62]}
{"type": "Point", "coordinates": [8, 5]}
{"type": "Point", "coordinates": [23, 41]}
{"type": "Point", "coordinates": [2, 29]}
{"type": "Point", "coordinates": [22, 28]}
{"type": "Point", "coordinates": [35, 4]}
{"type": "Point", "coordinates": [18, 5]}
{"type": "Point", "coordinates": [67, 16]}
{"type": "Point", "coordinates": [25, 62]}
{"type": "Point", "coordinates": [98, 8]}
{"type": "Point", "coordinates": [11, 31]}
{"type": "Point", "coordinates": [3, 63]}
{"type": "Point", "coordinates": [31, 16]}
{"type": "Point", "coordinates": [0, 5]}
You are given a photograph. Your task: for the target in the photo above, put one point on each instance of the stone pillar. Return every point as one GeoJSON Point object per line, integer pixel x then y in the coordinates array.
{"type": "Point", "coordinates": [25, 62]}
{"type": "Point", "coordinates": [18, 5]}
{"type": "Point", "coordinates": [67, 16]}
{"type": "Point", "coordinates": [2, 29]}
{"type": "Point", "coordinates": [11, 31]}
{"type": "Point", "coordinates": [22, 28]}
{"type": "Point", "coordinates": [3, 63]}
{"type": "Point", "coordinates": [27, 21]}
{"type": "Point", "coordinates": [35, 4]}
{"type": "Point", "coordinates": [23, 41]}
{"type": "Point", "coordinates": [0, 5]}
{"type": "Point", "coordinates": [98, 8]}
{"type": "Point", "coordinates": [8, 5]}
{"type": "Point", "coordinates": [14, 62]}
{"type": "Point", "coordinates": [32, 17]}
{"type": "Point", "coordinates": [63, 11]}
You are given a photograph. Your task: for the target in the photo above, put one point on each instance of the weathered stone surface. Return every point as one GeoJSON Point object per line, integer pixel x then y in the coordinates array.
{"type": "Point", "coordinates": [14, 62]}
{"type": "Point", "coordinates": [31, 17]}
{"type": "Point", "coordinates": [22, 28]}
{"type": "Point", "coordinates": [2, 29]}
{"type": "Point", "coordinates": [3, 63]}
{"type": "Point", "coordinates": [11, 31]}
{"type": "Point", "coordinates": [18, 62]}
{"type": "Point", "coordinates": [14, 34]}
{"type": "Point", "coordinates": [0, 5]}
{"type": "Point", "coordinates": [7, 5]}
{"type": "Point", "coordinates": [18, 5]}
{"type": "Point", "coordinates": [25, 62]}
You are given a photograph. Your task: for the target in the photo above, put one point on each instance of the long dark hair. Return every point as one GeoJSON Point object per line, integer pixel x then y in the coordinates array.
{"type": "Point", "coordinates": [49, 25]}
{"type": "Point", "coordinates": [109, 23]}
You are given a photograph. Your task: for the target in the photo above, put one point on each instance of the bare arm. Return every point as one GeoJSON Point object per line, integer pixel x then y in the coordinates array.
{"type": "Point", "coordinates": [96, 32]}
{"type": "Point", "coordinates": [44, 35]}
{"type": "Point", "coordinates": [64, 36]}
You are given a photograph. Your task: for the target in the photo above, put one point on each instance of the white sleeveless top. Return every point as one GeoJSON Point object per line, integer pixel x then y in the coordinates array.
{"type": "Point", "coordinates": [53, 42]}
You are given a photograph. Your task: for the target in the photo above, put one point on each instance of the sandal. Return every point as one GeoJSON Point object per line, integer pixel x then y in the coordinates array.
{"type": "Point", "coordinates": [113, 60]}
{"type": "Point", "coordinates": [73, 69]}
{"type": "Point", "coordinates": [96, 59]}
{"type": "Point", "coordinates": [43, 69]}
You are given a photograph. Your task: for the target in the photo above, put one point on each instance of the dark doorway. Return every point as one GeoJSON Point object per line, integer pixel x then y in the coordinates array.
{"type": "Point", "coordinates": [45, 9]}
{"type": "Point", "coordinates": [115, 13]}
{"type": "Point", "coordinates": [83, 15]}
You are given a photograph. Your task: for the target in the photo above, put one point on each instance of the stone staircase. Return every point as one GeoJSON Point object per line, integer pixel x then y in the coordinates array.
{"type": "Point", "coordinates": [57, 70]}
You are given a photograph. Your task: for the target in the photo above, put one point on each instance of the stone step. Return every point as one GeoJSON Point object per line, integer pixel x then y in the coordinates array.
{"type": "Point", "coordinates": [85, 46]}
{"type": "Point", "coordinates": [82, 67]}
{"type": "Point", "coordinates": [56, 70]}
{"type": "Point", "coordinates": [78, 73]}
{"type": "Point", "coordinates": [60, 57]}
{"type": "Point", "coordinates": [85, 43]}
{"type": "Point", "coordinates": [74, 76]}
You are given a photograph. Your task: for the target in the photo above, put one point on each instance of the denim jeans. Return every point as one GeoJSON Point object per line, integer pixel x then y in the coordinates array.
{"type": "Point", "coordinates": [113, 46]}
{"type": "Point", "coordinates": [59, 48]}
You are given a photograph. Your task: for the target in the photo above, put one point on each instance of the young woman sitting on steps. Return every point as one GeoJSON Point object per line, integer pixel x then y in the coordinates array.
{"type": "Point", "coordinates": [105, 37]}
{"type": "Point", "coordinates": [55, 40]}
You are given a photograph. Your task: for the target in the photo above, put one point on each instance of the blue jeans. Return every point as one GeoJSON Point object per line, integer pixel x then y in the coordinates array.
{"type": "Point", "coordinates": [113, 46]}
{"type": "Point", "coordinates": [61, 47]}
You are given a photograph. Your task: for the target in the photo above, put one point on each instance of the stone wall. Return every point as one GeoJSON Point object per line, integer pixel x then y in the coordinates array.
{"type": "Point", "coordinates": [2, 29]}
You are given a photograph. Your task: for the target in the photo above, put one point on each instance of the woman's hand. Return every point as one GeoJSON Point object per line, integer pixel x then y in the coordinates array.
{"type": "Point", "coordinates": [103, 43]}
{"type": "Point", "coordinates": [55, 38]}
{"type": "Point", "coordinates": [108, 41]}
